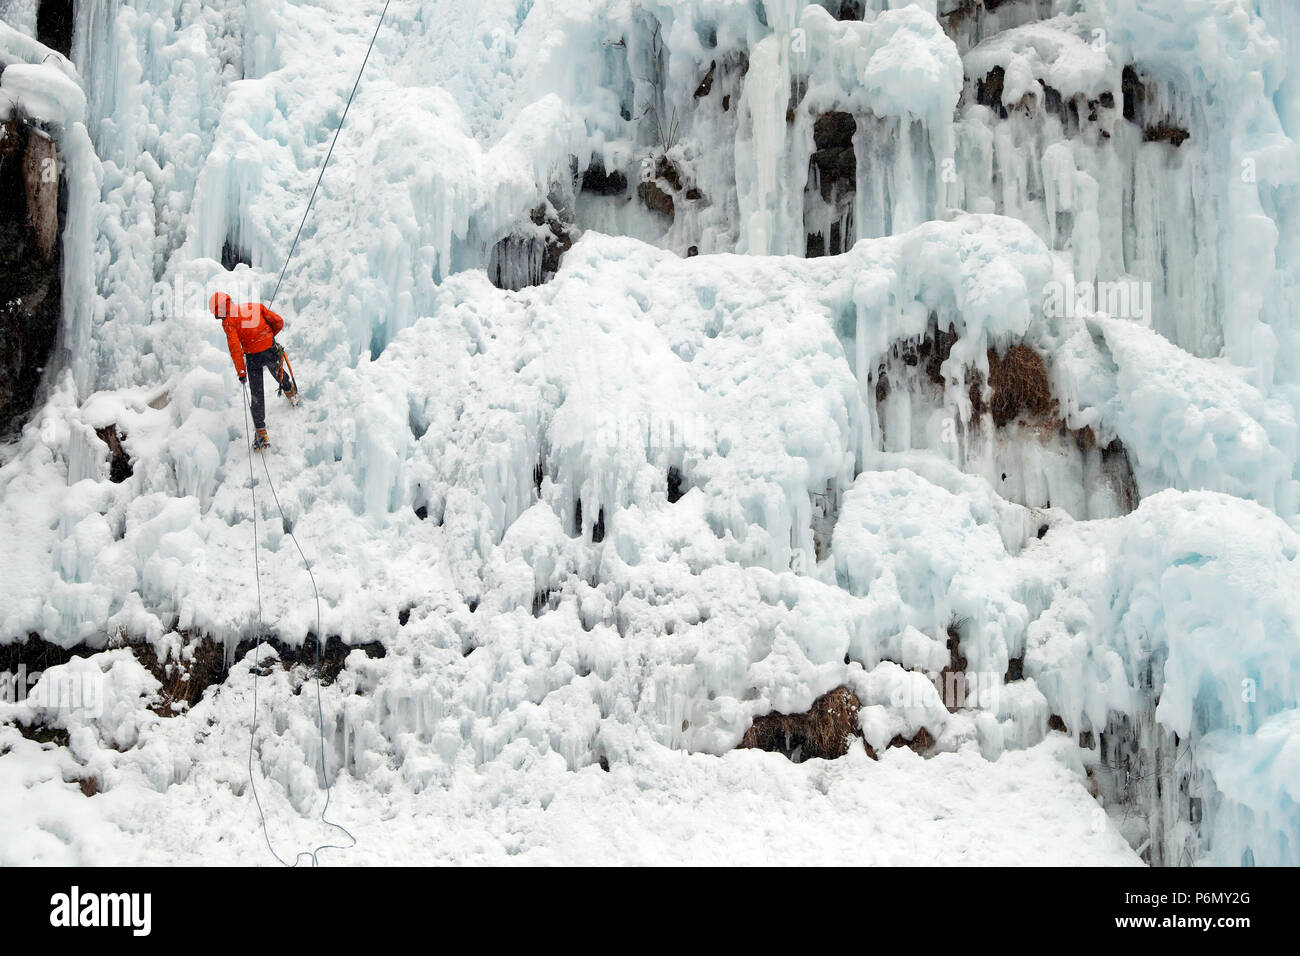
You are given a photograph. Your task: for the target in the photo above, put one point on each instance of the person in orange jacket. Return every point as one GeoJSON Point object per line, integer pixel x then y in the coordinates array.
{"type": "Point", "coordinates": [250, 330]}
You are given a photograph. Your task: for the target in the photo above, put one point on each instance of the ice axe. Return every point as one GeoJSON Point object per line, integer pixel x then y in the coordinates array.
{"type": "Point", "coordinates": [285, 367]}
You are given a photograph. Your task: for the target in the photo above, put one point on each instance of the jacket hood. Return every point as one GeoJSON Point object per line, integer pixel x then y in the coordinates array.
{"type": "Point", "coordinates": [221, 305]}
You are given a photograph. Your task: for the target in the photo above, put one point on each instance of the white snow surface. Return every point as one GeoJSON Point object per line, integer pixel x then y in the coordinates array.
{"type": "Point", "coordinates": [553, 613]}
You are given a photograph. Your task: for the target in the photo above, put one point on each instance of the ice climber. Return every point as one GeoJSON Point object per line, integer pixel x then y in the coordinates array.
{"type": "Point", "coordinates": [250, 332]}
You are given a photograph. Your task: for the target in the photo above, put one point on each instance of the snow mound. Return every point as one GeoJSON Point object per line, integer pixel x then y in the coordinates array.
{"type": "Point", "coordinates": [43, 92]}
{"type": "Point", "coordinates": [1198, 423]}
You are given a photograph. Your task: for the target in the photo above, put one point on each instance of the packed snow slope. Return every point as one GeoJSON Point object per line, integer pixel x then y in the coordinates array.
{"type": "Point", "coordinates": [667, 366]}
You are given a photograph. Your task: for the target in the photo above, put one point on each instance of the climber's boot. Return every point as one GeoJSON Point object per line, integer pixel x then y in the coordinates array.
{"type": "Point", "coordinates": [261, 440]}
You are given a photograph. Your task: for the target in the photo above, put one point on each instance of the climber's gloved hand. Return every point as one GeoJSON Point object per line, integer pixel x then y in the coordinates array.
{"type": "Point", "coordinates": [243, 380]}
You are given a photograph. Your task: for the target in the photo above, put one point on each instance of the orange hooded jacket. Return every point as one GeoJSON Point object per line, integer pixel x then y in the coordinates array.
{"type": "Point", "coordinates": [249, 328]}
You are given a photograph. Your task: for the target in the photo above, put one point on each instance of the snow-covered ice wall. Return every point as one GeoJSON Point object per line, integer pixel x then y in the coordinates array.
{"type": "Point", "coordinates": [669, 364]}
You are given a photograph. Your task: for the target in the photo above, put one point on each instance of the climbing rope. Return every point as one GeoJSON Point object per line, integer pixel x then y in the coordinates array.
{"type": "Point", "coordinates": [252, 480]}
{"type": "Point", "coordinates": [257, 666]}
{"type": "Point", "coordinates": [343, 119]}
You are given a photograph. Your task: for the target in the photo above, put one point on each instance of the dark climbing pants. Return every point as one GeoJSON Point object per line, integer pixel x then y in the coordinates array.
{"type": "Point", "coordinates": [255, 362]}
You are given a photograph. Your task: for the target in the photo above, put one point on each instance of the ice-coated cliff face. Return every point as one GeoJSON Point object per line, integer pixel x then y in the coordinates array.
{"type": "Point", "coordinates": [668, 365]}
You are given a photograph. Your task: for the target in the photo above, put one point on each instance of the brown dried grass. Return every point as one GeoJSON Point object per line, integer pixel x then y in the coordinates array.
{"type": "Point", "coordinates": [1020, 385]}
{"type": "Point", "coordinates": [825, 731]}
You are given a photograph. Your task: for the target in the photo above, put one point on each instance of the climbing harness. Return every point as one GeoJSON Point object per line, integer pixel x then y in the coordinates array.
{"type": "Point", "coordinates": [257, 668]}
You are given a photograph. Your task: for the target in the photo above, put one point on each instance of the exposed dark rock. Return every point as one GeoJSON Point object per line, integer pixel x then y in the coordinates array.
{"type": "Point", "coordinates": [675, 481]}
{"type": "Point", "coordinates": [988, 91]}
{"type": "Point", "coordinates": [1053, 102]}
{"type": "Point", "coordinates": [951, 682]}
{"type": "Point", "coordinates": [1140, 108]}
{"type": "Point", "coordinates": [120, 468]}
{"type": "Point", "coordinates": [1134, 92]}
{"type": "Point", "coordinates": [41, 187]}
{"type": "Point", "coordinates": [1015, 670]}
{"type": "Point", "coordinates": [656, 199]}
{"type": "Point", "coordinates": [909, 357]}
{"type": "Point", "coordinates": [837, 168]}
{"type": "Point", "coordinates": [44, 735]}
{"type": "Point", "coordinates": [1165, 133]}
{"type": "Point", "coordinates": [834, 169]}
{"type": "Point", "coordinates": [706, 85]}
{"type": "Point", "coordinates": [532, 257]}
{"type": "Point", "coordinates": [667, 170]}
{"type": "Point", "coordinates": [558, 242]}
{"type": "Point", "coordinates": [834, 172]}
{"type": "Point", "coordinates": [1021, 390]}
{"type": "Point", "coordinates": [597, 180]}
{"type": "Point", "coordinates": [935, 349]}
{"type": "Point", "coordinates": [183, 682]}
{"type": "Point", "coordinates": [233, 254]}
{"type": "Point", "coordinates": [55, 20]}
{"type": "Point", "coordinates": [31, 284]}
{"type": "Point", "coordinates": [919, 744]}
{"type": "Point", "coordinates": [38, 654]}
{"type": "Point", "coordinates": [817, 245]}
{"type": "Point", "coordinates": [954, 20]}
{"type": "Point", "coordinates": [332, 658]}
{"type": "Point", "coordinates": [1116, 464]}
{"type": "Point", "coordinates": [975, 390]}
{"type": "Point", "coordinates": [834, 129]}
